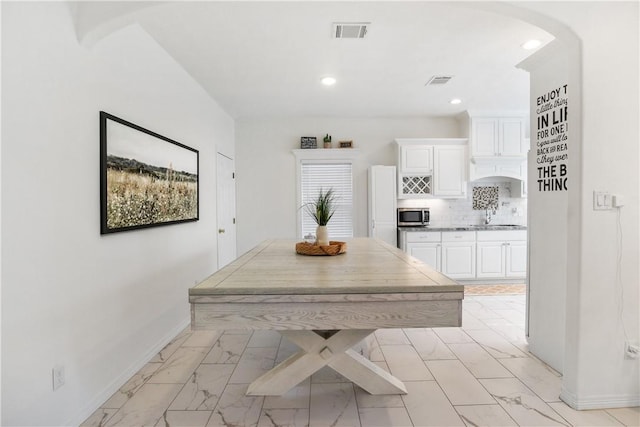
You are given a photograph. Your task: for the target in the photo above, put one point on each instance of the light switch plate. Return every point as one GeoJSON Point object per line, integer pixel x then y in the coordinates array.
{"type": "Point", "coordinates": [602, 201]}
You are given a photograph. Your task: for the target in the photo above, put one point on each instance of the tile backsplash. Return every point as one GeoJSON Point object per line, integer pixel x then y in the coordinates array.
{"type": "Point", "coordinates": [485, 197]}
{"type": "Point", "coordinates": [456, 212]}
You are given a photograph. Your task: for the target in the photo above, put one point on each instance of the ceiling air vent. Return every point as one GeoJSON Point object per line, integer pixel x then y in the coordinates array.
{"type": "Point", "coordinates": [438, 80]}
{"type": "Point", "coordinates": [350, 30]}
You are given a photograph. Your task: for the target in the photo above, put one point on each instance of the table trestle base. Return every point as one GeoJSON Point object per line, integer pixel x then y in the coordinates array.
{"type": "Point", "coordinates": [317, 352]}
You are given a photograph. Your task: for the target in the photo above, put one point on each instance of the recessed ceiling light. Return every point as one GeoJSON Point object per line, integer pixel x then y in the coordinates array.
{"type": "Point", "coordinates": [328, 81]}
{"type": "Point", "coordinates": [455, 101]}
{"type": "Point", "coordinates": [531, 44]}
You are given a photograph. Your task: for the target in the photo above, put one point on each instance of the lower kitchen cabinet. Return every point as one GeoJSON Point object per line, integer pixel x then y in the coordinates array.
{"type": "Point", "coordinates": [501, 254]}
{"type": "Point", "coordinates": [429, 253]}
{"type": "Point", "coordinates": [516, 259]}
{"type": "Point", "coordinates": [491, 262]}
{"type": "Point", "coordinates": [459, 254]}
{"type": "Point", "coordinates": [426, 247]}
{"type": "Point", "coordinates": [470, 254]}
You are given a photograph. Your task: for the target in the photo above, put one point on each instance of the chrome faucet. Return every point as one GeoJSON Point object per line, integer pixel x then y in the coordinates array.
{"type": "Point", "coordinates": [487, 218]}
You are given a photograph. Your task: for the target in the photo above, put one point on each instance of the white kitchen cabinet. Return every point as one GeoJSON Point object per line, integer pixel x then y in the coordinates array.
{"type": "Point", "coordinates": [428, 253]}
{"type": "Point", "coordinates": [382, 203]}
{"type": "Point", "coordinates": [425, 246]}
{"type": "Point", "coordinates": [484, 137]}
{"type": "Point", "coordinates": [459, 254]}
{"type": "Point", "coordinates": [491, 261]}
{"type": "Point", "coordinates": [485, 254]}
{"type": "Point", "coordinates": [450, 170]}
{"type": "Point", "coordinates": [516, 259]}
{"type": "Point", "coordinates": [498, 136]}
{"type": "Point", "coordinates": [501, 254]}
{"type": "Point", "coordinates": [511, 141]}
{"type": "Point", "coordinates": [430, 167]}
{"type": "Point", "coordinates": [416, 159]}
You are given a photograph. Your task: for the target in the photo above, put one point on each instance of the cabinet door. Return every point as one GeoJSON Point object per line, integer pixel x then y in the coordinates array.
{"type": "Point", "coordinates": [449, 167]}
{"type": "Point", "coordinates": [516, 259]}
{"type": "Point", "coordinates": [416, 159]}
{"type": "Point", "coordinates": [484, 137]}
{"type": "Point", "coordinates": [490, 260]}
{"type": "Point", "coordinates": [512, 141]}
{"type": "Point", "coordinates": [382, 203]}
{"type": "Point", "coordinates": [428, 253]}
{"type": "Point", "coordinates": [459, 260]}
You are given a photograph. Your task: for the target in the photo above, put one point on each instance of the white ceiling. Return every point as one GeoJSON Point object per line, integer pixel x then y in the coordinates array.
{"type": "Point", "coordinates": [260, 59]}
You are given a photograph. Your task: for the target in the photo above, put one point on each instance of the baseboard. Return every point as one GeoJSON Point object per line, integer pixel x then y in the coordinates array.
{"type": "Point", "coordinates": [119, 381]}
{"type": "Point", "coordinates": [599, 402]}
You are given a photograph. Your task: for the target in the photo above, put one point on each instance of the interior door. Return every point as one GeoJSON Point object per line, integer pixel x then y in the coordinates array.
{"type": "Point", "coordinates": [226, 210]}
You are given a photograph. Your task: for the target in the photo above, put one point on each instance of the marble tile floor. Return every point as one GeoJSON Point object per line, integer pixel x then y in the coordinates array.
{"type": "Point", "coordinates": [478, 375]}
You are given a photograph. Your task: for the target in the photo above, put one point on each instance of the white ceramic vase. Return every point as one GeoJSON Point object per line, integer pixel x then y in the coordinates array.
{"type": "Point", "coordinates": [322, 236]}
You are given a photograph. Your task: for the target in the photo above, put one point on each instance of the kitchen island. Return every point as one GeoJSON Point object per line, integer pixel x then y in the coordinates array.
{"type": "Point", "coordinates": [326, 305]}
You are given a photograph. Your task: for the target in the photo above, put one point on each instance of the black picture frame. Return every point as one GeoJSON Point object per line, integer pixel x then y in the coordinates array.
{"type": "Point", "coordinates": [146, 179]}
{"type": "Point", "coordinates": [308, 142]}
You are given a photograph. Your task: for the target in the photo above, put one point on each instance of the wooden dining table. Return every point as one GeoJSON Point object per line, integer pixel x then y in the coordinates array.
{"type": "Point", "coordinates": [326, 305]}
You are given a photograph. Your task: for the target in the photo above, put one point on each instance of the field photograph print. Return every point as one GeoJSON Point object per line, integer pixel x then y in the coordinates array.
{"type": "Point", "coordinates": [146, 179]}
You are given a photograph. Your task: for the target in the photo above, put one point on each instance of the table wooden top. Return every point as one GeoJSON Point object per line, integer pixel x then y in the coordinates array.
{"type": "Point", "coordinates": [370, 266]}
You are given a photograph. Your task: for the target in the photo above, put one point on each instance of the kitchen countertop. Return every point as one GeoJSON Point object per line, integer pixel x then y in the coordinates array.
{"type": "Point", "coordinates": [489, 227]}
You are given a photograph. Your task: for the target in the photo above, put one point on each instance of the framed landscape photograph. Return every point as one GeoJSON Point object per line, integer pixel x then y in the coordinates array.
{"type": "Point", "coordinates": [146, 179]}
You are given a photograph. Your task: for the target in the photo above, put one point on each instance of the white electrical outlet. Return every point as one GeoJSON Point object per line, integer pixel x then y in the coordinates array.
{"type": "Point", "coordinates": [58, 376]}
{"type": "Point", "coordinates": [631, 351]}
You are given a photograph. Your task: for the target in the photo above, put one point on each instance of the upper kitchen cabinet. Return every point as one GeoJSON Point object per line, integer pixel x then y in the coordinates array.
{"type": "Point", "coordinates": [416, 159]}
{"type": "Point", "coordinates": [450, 162]}
{"type": "Point", "coordinates": [498, 136]}
{"type": "Point", "coordinates": [432, 167]}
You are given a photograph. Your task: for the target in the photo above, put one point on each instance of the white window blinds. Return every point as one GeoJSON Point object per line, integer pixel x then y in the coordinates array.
{"type": "Point", "coordinates": [325, 176]}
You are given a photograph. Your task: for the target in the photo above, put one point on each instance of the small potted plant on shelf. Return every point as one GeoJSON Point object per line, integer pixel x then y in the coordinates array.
{"type": "Point", "coordinates": [321, 210]}
{"type": "Point", "coordinates": [327, 141]}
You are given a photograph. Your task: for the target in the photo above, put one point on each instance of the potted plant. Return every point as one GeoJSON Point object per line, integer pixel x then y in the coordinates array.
{"type": "Point", "coordinates": [321, 210]}
{"type": "Point", "coordinates": [327, 141]}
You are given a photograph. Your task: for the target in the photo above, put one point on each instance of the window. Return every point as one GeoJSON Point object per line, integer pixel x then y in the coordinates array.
{"type": "Point", "coordinates": [326, 168]}
{"type": "Point", "coordinates": [315, 176]}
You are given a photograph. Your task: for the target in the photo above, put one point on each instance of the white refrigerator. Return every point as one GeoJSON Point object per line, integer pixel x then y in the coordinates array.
{"type": "Point", "coordinates": [383, 203]}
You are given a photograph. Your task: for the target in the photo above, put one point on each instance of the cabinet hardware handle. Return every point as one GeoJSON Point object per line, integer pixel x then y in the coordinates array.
{"type": "Point", "coordinates": [220, 230]}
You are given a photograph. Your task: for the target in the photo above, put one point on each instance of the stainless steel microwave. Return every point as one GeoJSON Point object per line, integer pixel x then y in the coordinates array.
{"type": "Point", "coordinates": [413, 217]}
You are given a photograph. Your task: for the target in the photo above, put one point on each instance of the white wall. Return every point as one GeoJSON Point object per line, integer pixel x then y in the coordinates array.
{"type": "Point", "coordinates": [99, 305]}
{"type": "Point", "coordinates": [266, 169]}
{"type": "Point", "coordinates": [548, 211]}
{"type": "Point", "coordinates": [602, 311]}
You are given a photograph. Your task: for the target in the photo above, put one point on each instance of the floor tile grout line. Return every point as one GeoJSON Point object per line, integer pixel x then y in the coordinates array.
{"type": "Point", "coordinates": [275, 360]}
{"type": "Point", "coordinates": [150, 376]}
{"type": "Point", "coordinates": [618, 419]}
{"type": "Point", "coordinates": [355, 399]}
{"type": "Point", "coordinates": [193, 373]}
